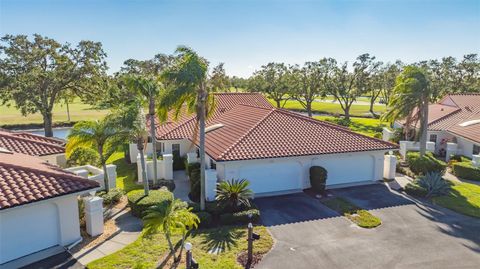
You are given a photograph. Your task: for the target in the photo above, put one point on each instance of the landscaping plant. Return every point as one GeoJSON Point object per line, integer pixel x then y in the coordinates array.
{"type": "Point", "coordinates": [434, 184]}
{"type": "Point", "coordinates": [234, 194]}
{"type": "Point", "coordinates": [83, 156]}
{"type": "Point", "coordinates": [318, 178]}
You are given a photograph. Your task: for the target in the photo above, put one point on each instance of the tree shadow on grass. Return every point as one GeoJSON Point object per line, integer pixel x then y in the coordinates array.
{"type": "Point", "coordinates": [222, 239]}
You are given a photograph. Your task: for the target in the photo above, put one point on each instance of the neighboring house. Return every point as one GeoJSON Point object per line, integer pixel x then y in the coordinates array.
{"type": "Point", "coordinates": [51, 150]}
{"type": "Point", "coordinates": [455, 119]}
{"type": "Point", "coordinates": [38, 206]}
{"type": "Point", "coordinates": [275, 148]}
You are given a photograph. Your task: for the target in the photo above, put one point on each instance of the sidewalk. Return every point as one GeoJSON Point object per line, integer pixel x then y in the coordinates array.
{"type": "Point", "coordinates": [129, 229]}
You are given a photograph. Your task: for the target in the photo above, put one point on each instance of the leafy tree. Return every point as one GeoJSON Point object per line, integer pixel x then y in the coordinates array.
{"type": "Point", "coordinates": [273, 80]}
{"type": "Point", "coordinates": [152, 67]}
{"type": "Point", "coordinates": [409, 101]}
{"type": "Point", "coordinates": [101, 135]}
{"type": "Point", "coordinates": [218, 80]}
{"type": "Point", "coordinates": [38, 73]}
{"type": "Point", "coordinates": [239, 83]}
{"type": "Point", "coordinates": [234, 193]}
{"type": "Point", "coordinates": [188, 81]}
{"type": "Point", "coordinates": [383, 82]}
{"type": "Point", "coordinates": [171, 217]}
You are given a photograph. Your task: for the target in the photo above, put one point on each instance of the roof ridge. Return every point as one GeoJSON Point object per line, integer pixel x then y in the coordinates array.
{"type": "Point", "coordinates": [11, 135]}
{"type": "Point", "coordinates": [446, 116]}
{"type": "Point", "coordinates": [229, 149]}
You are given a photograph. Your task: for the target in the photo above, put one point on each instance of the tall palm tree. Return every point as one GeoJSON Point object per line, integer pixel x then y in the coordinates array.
{"type": "Point", "coordinates": [148, 88]}
{"type": "Point", "coordinates": [409, 101]}
{"type": "Point", "coordinates": [188, 80]}
{"type": "Point", "coordinates": [171, 217]}
{"type": "Point", "coordinates": [101, 135]}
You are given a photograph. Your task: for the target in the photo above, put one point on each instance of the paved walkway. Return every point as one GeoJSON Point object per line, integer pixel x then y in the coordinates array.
{"type": "Point", "coordinates": [129, 230]}
{"type": "Point", "coordinates": [182, 185]}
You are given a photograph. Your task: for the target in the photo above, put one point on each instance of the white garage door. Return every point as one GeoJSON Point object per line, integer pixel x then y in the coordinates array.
{"type": "Point", "coordinates": [348, 169]}
{"type": "Point", "coordinates": [27, 230]}
{"type": "Point", "coordinates": [272, 177]}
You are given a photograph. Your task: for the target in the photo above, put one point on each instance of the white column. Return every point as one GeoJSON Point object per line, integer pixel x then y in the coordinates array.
{"type": "Point", "coordinates": [210, 184]}
{"type": "Point", "coordinates": [168, 166]}
{"type": "Point", "coordinates": [431, 146]}
{"type": "Point", "coordinates": [94, 215]}
{"type": "Point", "coordinates": [112, 176]}
{"type": "Point", "coordinates": [403, 148]}
{"type": "Point", "coordinates": [389, 166]}
{"type": "Point", "coordinates": [476, 160]}
{"type": "Point", "coordinates": [451, 150]}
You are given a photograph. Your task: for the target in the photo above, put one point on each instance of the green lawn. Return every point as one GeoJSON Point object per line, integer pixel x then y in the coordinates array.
{"type": "Point", "coordinates": [126, 173]}
{"type": "Point", "coordinates": [359, 216]}
{"type": "Point", "coordinates": [463, 198]}
{"type": "Point", "coordinates": [332, 108]}
{"type": "Point", "coordinates": [366, 126]}
{"type": "Point", "coordinates": [78, 111]}
{"type": "Point", "coordinates": [147, 251]}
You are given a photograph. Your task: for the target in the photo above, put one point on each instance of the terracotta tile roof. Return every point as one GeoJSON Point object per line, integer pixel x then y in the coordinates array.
{"type": "Point", "coordinates": [183, 127]}
{"type": "Point", "coordinates": [30, 144]}
{"type": "Point", "coordinates": [26, 179]}
{"type": "Point", "coordinates": [251, 132]}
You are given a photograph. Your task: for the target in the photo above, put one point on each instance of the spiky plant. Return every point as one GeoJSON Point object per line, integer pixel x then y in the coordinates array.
{"type": "Point", "coordinates": [434, 184]}
{"type": "Point", "coordinates": [234, 193]}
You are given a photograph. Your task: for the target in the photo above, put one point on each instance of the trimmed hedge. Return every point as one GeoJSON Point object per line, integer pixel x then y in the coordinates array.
{"type": "Point", "coordinates": [193, 172]}
{"type": "Point", "coordinates": [206, 219]}
{"type": "Point", "coordinates": [318, 178]}
{"type": "Point", "coordinates": [138, 202]}
{"type": "Point", "coordinates": [466, 170]}
{"type": "Point", "coordinates": [112, 197]}
{"type": "Point", "coordinates": [241, 217]}
{"type": "Point", "coordinates": [415, 190]}
{"type": "Point", "coordinates": [83, 156]}
{"type": "Point", "coordinates": [428, 163]}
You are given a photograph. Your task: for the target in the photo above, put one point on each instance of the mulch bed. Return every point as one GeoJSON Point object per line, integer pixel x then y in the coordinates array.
{"type": "Point", "coordinates": [243, 257]}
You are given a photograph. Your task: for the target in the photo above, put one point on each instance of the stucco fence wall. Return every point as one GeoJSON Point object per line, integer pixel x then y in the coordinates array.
{"type": "Point", "coordinates": [23, 228]}
{"type": "Point", "coordinates": [58, 159]}
{"type": "Point", "coordinates": [164, 146]}
{"type": "Point", "coordinates": [96, 174]}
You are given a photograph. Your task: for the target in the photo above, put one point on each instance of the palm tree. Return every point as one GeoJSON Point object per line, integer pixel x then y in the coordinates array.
{"type": "Point", "coordinates": [188, 78]}
{"type": "Point", "coordinates": [409, 100]}
{"type": "Point", "coordinates": [101, 135]}
{"type": "Point", "coordinates": [149, 88]}
{"type": "Point", "coordinates": [171, 217]}
{"type": "Point", "coordinates": [233, 194]}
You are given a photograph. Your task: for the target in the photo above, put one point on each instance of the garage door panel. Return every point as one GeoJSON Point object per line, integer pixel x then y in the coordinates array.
{"type": "Point", "coordinates": [347, 169]}
{"type": "Point", "coordinates": [27, 230]}
{"type": "Point", "coordinates": [272, 177]}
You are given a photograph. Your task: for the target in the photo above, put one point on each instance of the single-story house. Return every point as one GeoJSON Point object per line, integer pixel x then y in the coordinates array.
{"type": "Point", "coordinates": [49, 149]}
{"type": "Point", "coordinates": [455, 119]}
{"type": "Point", "coordinates": [274, 148]}
{"type": "Point", "coordinates": [38, 206]}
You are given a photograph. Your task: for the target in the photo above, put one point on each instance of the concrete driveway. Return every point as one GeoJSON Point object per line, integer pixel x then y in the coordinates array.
{"type": "Point", "coordinates": [412, 234]}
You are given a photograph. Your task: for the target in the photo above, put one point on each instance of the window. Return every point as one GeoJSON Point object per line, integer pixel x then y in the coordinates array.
{"type": "Point", "coordinates": [433, 138]}
{"type": "Point", "coordinates": [476, 149]}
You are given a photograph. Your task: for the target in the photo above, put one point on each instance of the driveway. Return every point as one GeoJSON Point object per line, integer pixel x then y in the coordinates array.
{"type": "Point", "coordinates": [412, 234]}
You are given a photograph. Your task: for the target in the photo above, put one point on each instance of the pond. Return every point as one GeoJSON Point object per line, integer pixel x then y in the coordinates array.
{"type": "Point", "coordinates": [61, 132]}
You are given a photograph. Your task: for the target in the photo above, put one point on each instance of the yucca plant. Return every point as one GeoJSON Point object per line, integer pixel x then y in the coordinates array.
{"type": "Point", "coordinates": [234, 193]}
{"type": "Point", "coordinates": [434, 184]}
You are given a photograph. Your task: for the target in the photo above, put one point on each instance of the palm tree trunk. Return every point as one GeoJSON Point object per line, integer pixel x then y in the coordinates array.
{"type": "Point", "coordinates": [424, 127]}
{"type": "Point", "coordinates": [154, 139]}
{"type": "Point", "coordinates": [106, 179]}
{"type": "Point", "coordinates": [142, 162]}
{"type": "Point", "coordinates": [201, 119]}
{"type": "Point", "coordinates": [170, 245]}
{"type": "Point", "coordinates": [181, 247]}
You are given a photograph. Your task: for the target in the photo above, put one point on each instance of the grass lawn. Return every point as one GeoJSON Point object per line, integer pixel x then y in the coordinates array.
{"type": "Point", "coordinates": [148, 251]}
{"type": "Point", "coordinates": [366, 126]}
{"type": "Point", "coordinates": [359, 216]}
{"type": "Point", "coordinates": [126, 173]}
{"type": "Point", "coordinates": [332, 108]}
{"type": "Point", "coordinates": [78, 111]}
{"type": "Point", "coordinates": [463, 198]}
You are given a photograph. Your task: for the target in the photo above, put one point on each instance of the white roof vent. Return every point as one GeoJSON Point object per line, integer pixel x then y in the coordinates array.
{"type": "Point", "coordinates": [470, 122]}
{"type": "Point", "coordinates": [213, 127]}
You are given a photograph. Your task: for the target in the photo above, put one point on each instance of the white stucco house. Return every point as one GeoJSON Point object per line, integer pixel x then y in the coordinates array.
{"type": "Point", "coordinates": [38, 207]}
{"type": "Point", "coordinates": [274, 148]}
{"type": "Point", "coordinates": [49, 149]}
{"type": "Point", "coordinates": [454, 125]}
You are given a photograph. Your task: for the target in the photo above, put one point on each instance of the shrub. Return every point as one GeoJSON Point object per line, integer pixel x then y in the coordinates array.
{"type": "Point", "coordinates": [178, 162]}
{"type": "Point", "coordinates": [318, 178]}
{"type": "Point", "coordinates": [415, 190]}
{"type": "Point", "coordinates": [378, 135]}
{"type": "Point", "coordinates": [340, 121]}
{"type": "Point", "coordinates": [425, 164]}
{"type": "Point", "coordinates": [205, 219]}
{"type": "Point", "coordinates": [138, 202]}
{"type": "Point", "coordinates": [112, 197]}
{"type": "Point", "coordinates": [242, 217]}
{"type": "Point", "coordinates": [433, 184]}
{"type": "Point", "coordinates": [169, 184]}
{"type": "Point", "coordinates": [83, 156]}
{"type": "Point", "coordinates": [466, 170]}
{"type": "Point", "coordinates": [234, 194]}
{"type": "Point", "coordinates": [194, 176]}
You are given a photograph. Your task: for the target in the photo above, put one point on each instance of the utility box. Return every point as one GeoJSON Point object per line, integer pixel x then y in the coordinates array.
{"type": "Point", "coordinates": [389, 166]}
{"type": "Point", "coordinates": [94, 215]}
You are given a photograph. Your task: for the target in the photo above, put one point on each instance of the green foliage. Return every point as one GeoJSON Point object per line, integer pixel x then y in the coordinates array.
{"type": "Point", "coordinates": [414, 189]}
{"type": "Point", "coordinates": [466, 170]}
{"type": "Point", "coordinates": [234, 194]}
{"type": "Point", "coordinates": [139, 203]}
{"type": "Point", "coordinates": [112, 197]}
{"type": "Point", "coordinates": [178, 162]}
{"type": "Point", "coordinates": [425, 164]}
{"type": "Point", "coordinates": [194, 176]}
{"type": "Point", "coordinates": [242, 217]}
{"type": "Point", "coordinates": [318, 178]}
{"type": "Point", "coordinates": [433, 184]}
{"type": "Point", "coordinates": [463, 198]}
{"type": "Point", "coordinates": [83, 156]}
{"type": "Point", "coordinates": [205, 219]}
{"type": "Point", "coordinates": [340, 121]}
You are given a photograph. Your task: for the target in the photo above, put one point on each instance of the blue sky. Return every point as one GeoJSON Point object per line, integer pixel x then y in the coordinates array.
{"type": "Point", "coordinates": [247, 34]}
